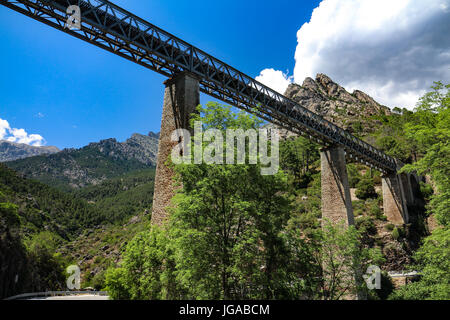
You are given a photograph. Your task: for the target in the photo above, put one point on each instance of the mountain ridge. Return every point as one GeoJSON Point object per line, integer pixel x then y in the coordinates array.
{"type": "Point", "coordinates": [91, 165]}
{"type": "Point", "coordinates": [10, 151]}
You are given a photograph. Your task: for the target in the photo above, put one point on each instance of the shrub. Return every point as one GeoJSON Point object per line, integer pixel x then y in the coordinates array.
{"type": "Point", "coordinates": [426, 190]}
{"type": "Point", "coordinates": [366, 225]}
{"type": "Point", "coordinates": [365, 189]}
{"type": "Point", "coordinates": [374, 209]}
{"type": "Point", "coordinates": [379, 242]}
{"type": "Point", "coordinates": [354, 177]}
{"type": "Point", "coordinates": [116, 284]}
{"type": "Point", "coordinates": [98, 259]}
{"type": "Point", "coordinates": [377, 179]}
{"type": "Point", "coordinates": [98, 281]}
{"type": "Point", "coordinates": [389, 227]}
{"type": "Point", "coordinates": [147, 271]}
{"type": "Point", "coordinates": [358, 207]}
{"type": "Point", "coordinates": [395, 234]}
{"type": "Point", "coordinates": [357, 127]}
{"type": "Point", "coordinates": [387, 287]}
{"type": "Point", "coordinates": [432, 259]}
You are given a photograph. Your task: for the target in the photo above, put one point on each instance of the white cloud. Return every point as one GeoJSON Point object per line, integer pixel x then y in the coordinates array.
{"type": "Point", "coordinates": [275, 80]}
{"type": "Point", "coordinates": [4, 127]}
{"type": "Point", "coordinates": [392, 50]}
{"type": "Point", "coordinates": [19, 135]}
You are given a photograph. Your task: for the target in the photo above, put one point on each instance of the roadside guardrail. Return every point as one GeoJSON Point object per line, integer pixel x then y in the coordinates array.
{"type": "Point", "coordinates": [25, 296]}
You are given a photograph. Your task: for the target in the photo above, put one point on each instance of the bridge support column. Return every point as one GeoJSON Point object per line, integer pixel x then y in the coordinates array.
{"type": "Point", "coordinates": [407, 188]}
{"type": "Point", "coordinates": [181, 98]}
{"type": "Point", "coordinates": [336, 198]}
{"type": "Point", "coordinates": [337, 207]}
{"type": "Point", "coordinates": [414, 186]}
{"type": "Point", "coordinates": [394, 201]}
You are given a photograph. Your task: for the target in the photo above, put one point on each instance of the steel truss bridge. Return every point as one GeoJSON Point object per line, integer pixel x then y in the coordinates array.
{"type": "Point", "coordinates": [118, 31]}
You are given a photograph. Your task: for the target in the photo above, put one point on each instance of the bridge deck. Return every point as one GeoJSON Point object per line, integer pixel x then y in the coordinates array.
{"type": "Point", "coordinates": [122, 33]}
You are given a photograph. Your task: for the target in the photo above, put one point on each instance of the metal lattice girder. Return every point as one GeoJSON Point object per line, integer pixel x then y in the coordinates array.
{"type": "Point", "coordinates": [122, 33]}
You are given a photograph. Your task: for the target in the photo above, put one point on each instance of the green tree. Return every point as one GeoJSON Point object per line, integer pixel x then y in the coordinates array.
{"type": "Point", "coordinates": [297, 158]}
{"type": "Point", "coordinates": [430, 128]}
{"type": "Point", "coordinates": [344, 258]}
{"type": "Point", "coordinates": [9, 217]}
{"type": "Point", "coordinates": [226, 225]}
{"type": "Point", "coordinates": [146, 270]}
{"type": "Point", "coordinates": [391, 139]}
{"type": "Point", "coordinates": [227, 222]}
{"type": "Point", "coordinates": [365, 189]}
{"type": "Point", "coordinates": [433, 262]}
{"type": "Point", "coordinates": [395, 147]}
{"type": "Point", "coordinates": [234, 234]}
{"type": "Point", "coordinates": [116, 285]}
{"type": "Point", "coordinates": [354, 176]}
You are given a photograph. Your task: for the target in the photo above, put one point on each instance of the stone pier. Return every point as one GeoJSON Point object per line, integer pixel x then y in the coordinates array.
{"type": "Point", "coordinates": [181, 98]}
{"type": "Point", "coordinates": [408, 192]}
{"type": "Point", "coordinates": [414, 186]}
{"type": "Point", "coordinates": [336, 198]}
{"type": "Point", "coordinates": [394, 201]}
{"type": "Point", "coordinates": [337, 203]}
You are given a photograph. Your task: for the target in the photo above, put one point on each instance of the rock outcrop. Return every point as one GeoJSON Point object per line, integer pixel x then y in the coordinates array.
{"type": "Point", "coordinates": [328, 99]}
{"type": "Point", "coordinates": [139, 147]}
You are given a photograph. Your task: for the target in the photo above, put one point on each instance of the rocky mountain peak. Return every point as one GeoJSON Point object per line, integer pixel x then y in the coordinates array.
{"type": "Point", "coordinates": [364, 97]}
{"type": "Point", "coordinates": [91, 164]}
{"type": "Point", "coordinates": [153, 135]}
{"type": "Point", "coordinates": [10, 151]}
{"type": "Point", "coordinates": [330, 100]}
{"type": "Point", "coordinates": [310, 84]}
{"type": "Point", "coordinates": [105, 142]}
{"type": "Point", "coordinates": [334, 90]}
{"type": "Point", "coordinates": [142, 148]}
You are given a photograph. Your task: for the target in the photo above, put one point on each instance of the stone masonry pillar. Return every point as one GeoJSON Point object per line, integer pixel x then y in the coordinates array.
{"type": "Point", "coordinates": [414, 187]}
{"type": "Point", "coordinates": [181, 98]}
{"type": "Point", "coordinates": [394, 202]}
{"type": "Point", "coordinates": [337, 203]}
{"type": "Point", "coordinates": [404, 202]}
{"type": "Point", "coordinates": [406, 184]}
{"type": "Point", "coordinates": [336, 198]}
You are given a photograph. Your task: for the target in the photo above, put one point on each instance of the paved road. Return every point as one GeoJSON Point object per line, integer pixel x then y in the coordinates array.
{"type": "Point", "coordinates": [79, 297]}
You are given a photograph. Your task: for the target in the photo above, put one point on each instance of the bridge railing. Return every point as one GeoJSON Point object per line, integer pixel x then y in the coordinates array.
{"type": "Point", "coordinates": [112, 28]}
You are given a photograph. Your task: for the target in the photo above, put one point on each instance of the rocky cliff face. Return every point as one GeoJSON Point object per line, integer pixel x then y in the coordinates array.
{"type": "Point", "coordinates": [350, 111]}
{"type": "Point", "coordinates": [10, 151]}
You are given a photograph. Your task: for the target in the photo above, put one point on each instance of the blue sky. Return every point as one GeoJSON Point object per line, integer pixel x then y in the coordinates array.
{"type": "Point", "coordinates": [72, 93]}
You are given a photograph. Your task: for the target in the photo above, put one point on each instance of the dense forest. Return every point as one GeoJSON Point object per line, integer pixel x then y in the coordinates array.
{"type": "Point", "coordinates": [38, 222]}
